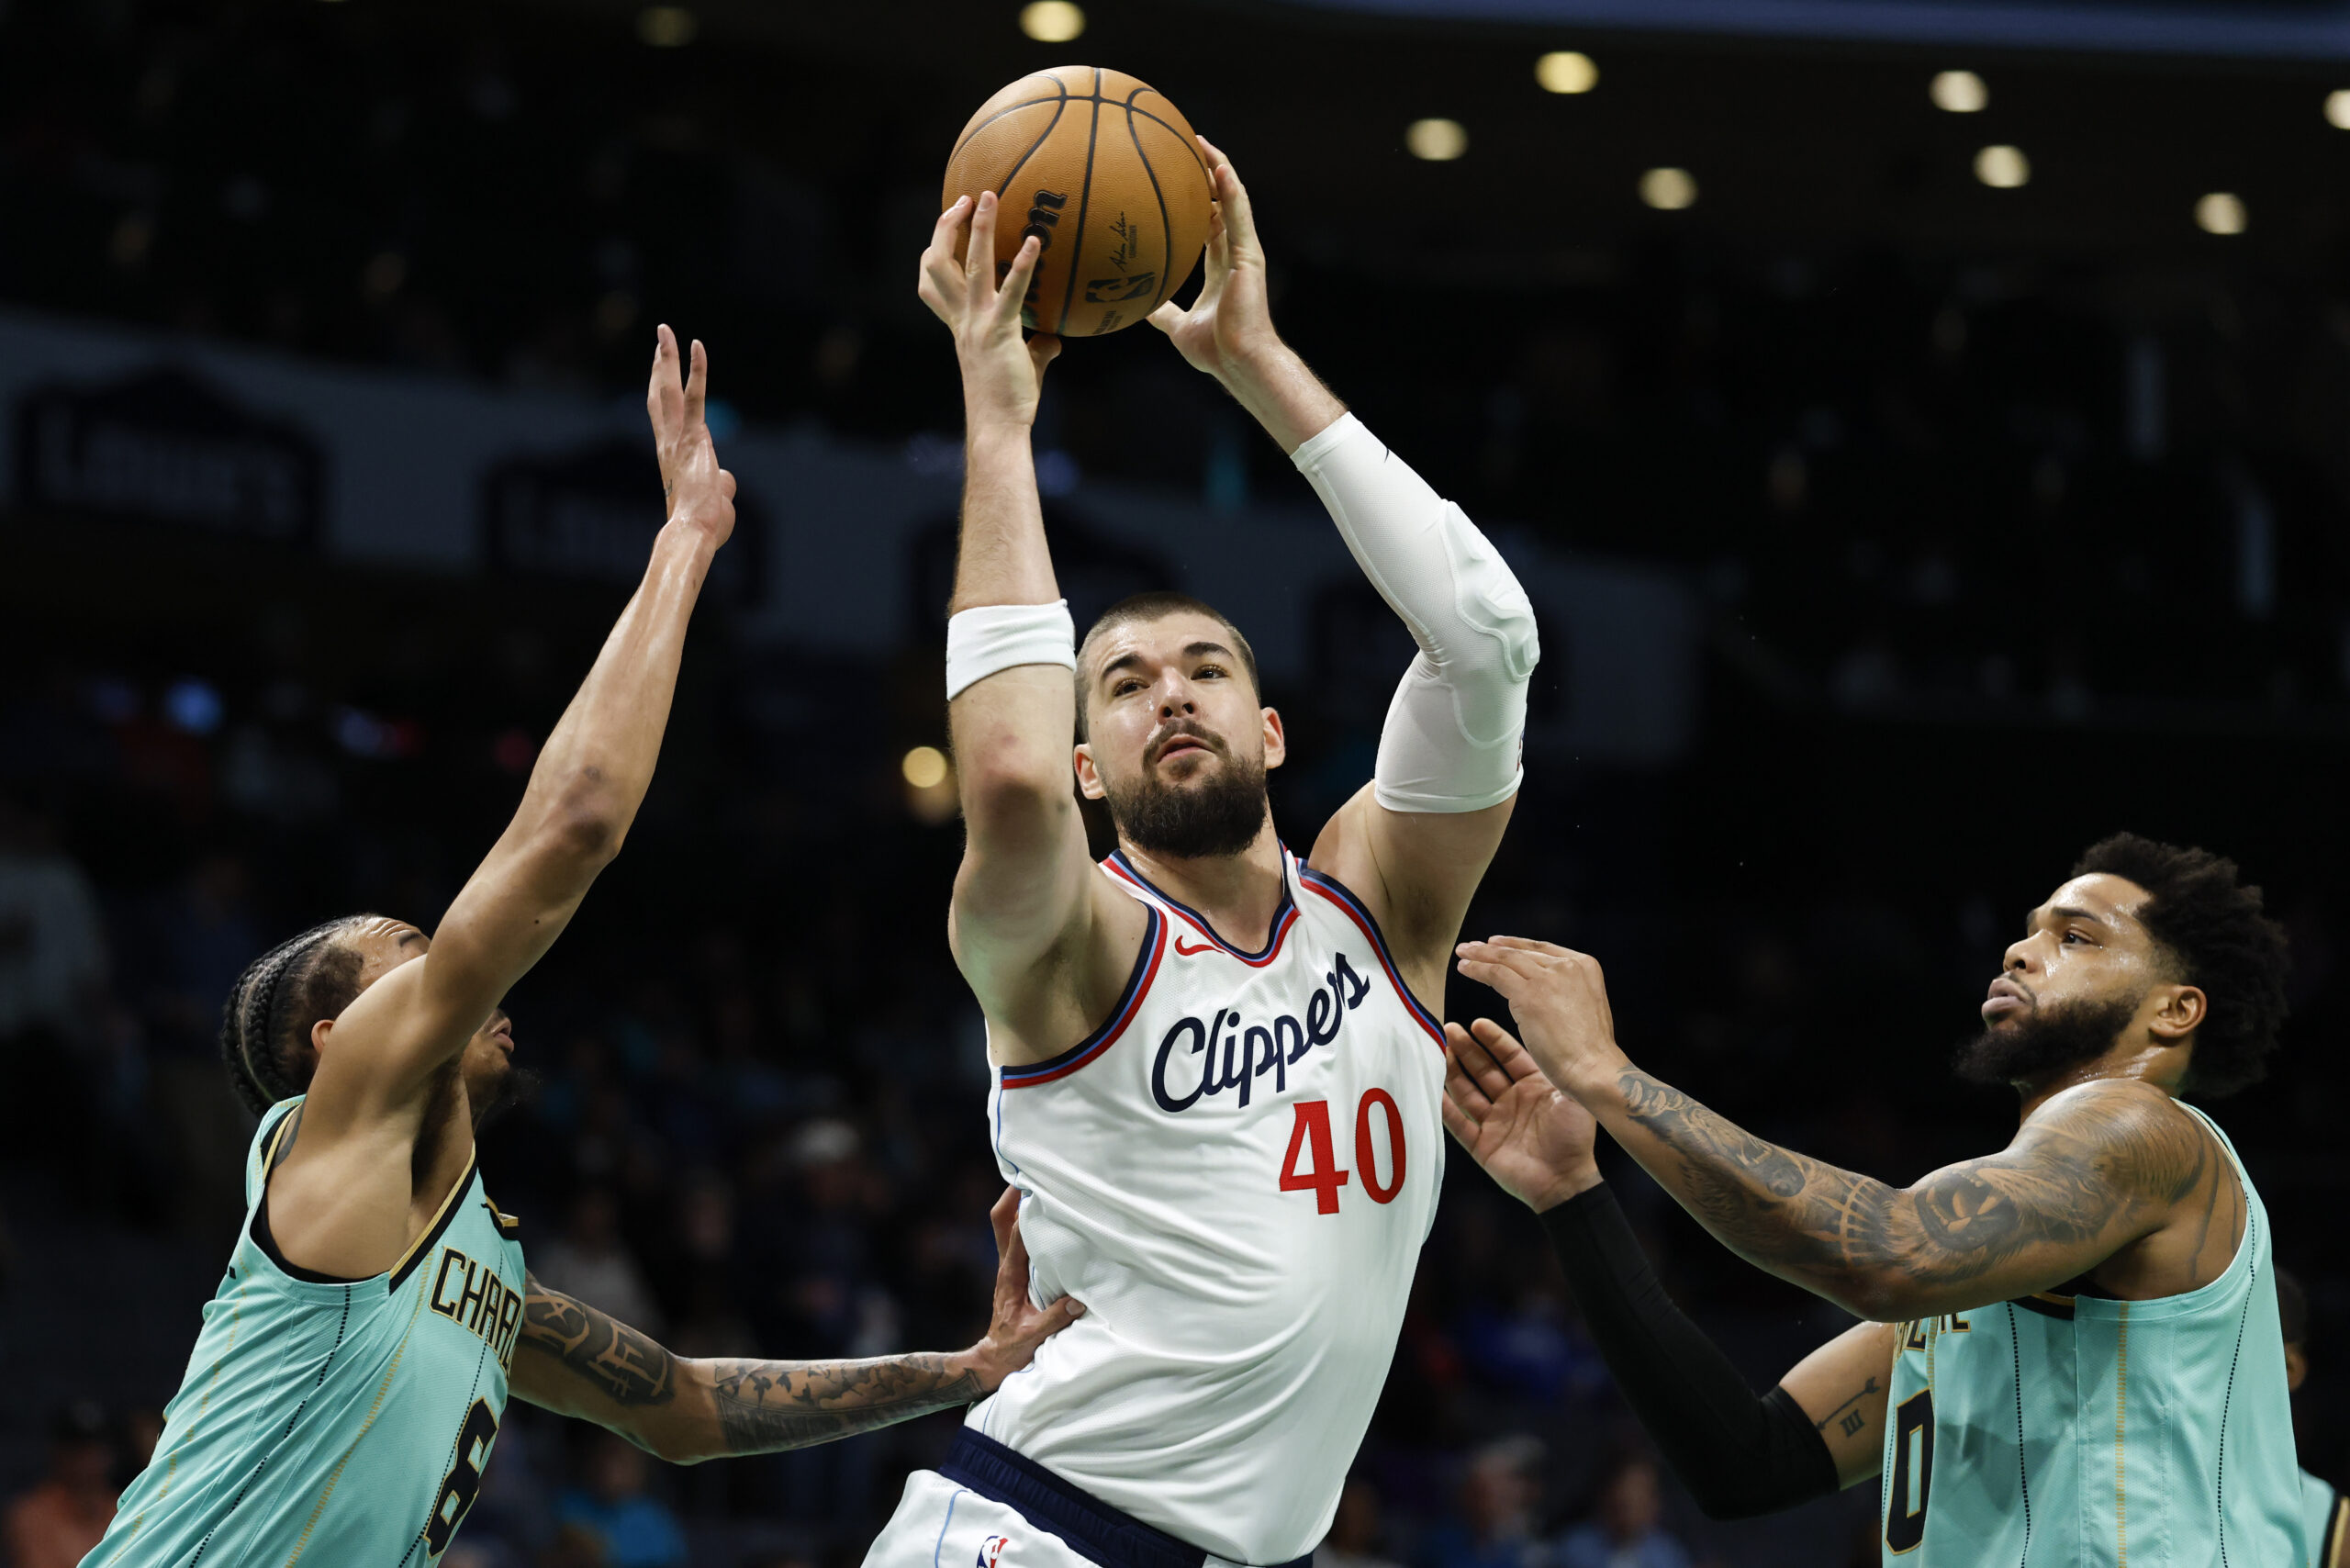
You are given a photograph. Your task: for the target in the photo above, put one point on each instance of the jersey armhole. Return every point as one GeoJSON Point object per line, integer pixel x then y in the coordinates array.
{"type": "Point", "coordinates": [1139, 978]}
{"type": "Point", "coordinates": [1354, 909]}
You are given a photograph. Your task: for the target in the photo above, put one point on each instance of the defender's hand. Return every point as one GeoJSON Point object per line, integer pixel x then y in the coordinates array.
{"type": "Point", "coordinates": [699, 492]}
{"type": "Point", "coordinates": [1530, 1138]}
{"type": "Point", "coordinates": [1002, 376]}
{"type": "Point", "coordinates": [1018, 1326]}
{"type": "Point", "coordinates": [1560, 1000]}
{"type": "Point", "coordinates": [1231, 320]}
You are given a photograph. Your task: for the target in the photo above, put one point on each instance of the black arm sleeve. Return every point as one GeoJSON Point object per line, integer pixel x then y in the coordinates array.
{"type": "Point", "coordinates": [1739, 1454]}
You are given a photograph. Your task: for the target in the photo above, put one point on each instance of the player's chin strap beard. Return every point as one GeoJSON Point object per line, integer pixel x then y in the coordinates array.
{"type": "Point", "coordinates": [1218, 815]}
{"type": "Point", "coordinates": [2046, 1040]}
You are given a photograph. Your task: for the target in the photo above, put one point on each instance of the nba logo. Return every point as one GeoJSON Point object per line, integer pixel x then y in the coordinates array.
{"type": "Point", "coordinates": [992, 1549]}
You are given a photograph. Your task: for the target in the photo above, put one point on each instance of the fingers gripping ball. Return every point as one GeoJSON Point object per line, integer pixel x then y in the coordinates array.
{"type": "Point", "coordinates": [1104, 171]}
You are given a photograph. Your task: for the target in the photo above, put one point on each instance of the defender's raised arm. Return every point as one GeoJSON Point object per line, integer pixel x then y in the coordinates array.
{"type": "Point", "coordinates": [583, 794]}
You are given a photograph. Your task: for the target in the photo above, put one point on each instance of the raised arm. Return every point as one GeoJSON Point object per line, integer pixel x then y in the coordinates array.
{"type": "Point", "coordinates": [572, 1359]}
{"type": "Point", "coordinates": [583, 795]}
{"type": "Point", "coordinates": [1022, 896]}
{"type": "Point", "coordinates": [2097, 1167]}
{"type": "Point", "coordinates": [1416, 842]}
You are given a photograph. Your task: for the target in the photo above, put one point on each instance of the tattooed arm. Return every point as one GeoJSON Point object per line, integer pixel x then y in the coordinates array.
{"type": "Point", "coordinates": [2096, 1168]}
{"type": "Point", "coordinates": [572, 1359]}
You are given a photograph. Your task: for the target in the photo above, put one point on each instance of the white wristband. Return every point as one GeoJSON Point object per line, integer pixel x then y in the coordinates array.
{"type": "Point", "coordinates": [998, 636]}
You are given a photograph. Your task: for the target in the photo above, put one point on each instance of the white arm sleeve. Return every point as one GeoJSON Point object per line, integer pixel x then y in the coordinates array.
{"type": "Point", "coordinates": [1454, 733]}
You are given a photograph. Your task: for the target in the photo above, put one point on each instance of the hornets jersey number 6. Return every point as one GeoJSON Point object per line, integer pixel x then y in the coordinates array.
{"type": "Point", "coordinates": [336, 1421]}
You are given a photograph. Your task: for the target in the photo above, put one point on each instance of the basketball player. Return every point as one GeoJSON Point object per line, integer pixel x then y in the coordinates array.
{"type": "Point", "coordinates": [2325, 1512]}
{"type": "Point", "coordinates": [2072, 1352]}
{"type": "Point", "coordinates": [346, 1383]}
{"type": "Point", "coordinates": [1217, 1066]}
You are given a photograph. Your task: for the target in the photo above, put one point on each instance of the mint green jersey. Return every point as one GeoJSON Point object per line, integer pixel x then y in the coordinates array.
{"type": "Point", "coordinates": [2325, 1517]}
{"type": "Point", "coordinates": [336, 1422]}
{"type": "Point", "coordinates": [2076, 1431]}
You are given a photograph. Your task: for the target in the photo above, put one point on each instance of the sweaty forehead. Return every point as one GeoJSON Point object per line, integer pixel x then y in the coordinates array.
{"type": "Point", "coordinates": [2114, 900]}
{"type": "Point", "coordinates": [1159, 640]}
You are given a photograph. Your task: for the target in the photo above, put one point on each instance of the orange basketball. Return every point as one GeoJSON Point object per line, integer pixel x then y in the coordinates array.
{"type": "Point", "coordinates": [1104, 171]}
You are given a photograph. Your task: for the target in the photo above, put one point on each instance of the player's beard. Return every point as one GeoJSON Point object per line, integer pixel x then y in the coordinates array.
{"type": "Point", "coordinates": [2046, 1040]}
{"type": "Point", "coordinates": [1218, 815]}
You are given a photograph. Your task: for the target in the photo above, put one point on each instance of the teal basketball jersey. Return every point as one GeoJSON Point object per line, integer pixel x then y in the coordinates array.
{"type": "Point", "coordinates": [2076, 1431]}
{"type": "Point", "coordinates": [333, 1422]}
{"type": "Point", "coordinates": [2326, 1520]}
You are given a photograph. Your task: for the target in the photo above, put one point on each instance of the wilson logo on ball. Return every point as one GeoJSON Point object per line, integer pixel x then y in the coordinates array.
{"type": "Point", "coordinates": [1045, 215]}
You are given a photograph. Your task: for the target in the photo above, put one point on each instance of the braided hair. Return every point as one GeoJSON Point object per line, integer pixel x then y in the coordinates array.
{"type": "Point", "coordinates": [265, 1024]}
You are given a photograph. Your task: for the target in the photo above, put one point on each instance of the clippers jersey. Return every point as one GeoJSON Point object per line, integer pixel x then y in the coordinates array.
{"type": "Point", "coordinates": [332, 1423]}
{"type": "Point", "coordinates": [2087, 1432]}
{"type": "Point", "coordinates": [1234, 1173]}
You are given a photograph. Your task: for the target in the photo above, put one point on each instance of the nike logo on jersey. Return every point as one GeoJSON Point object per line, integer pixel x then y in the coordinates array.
{"type": "Point", "coordinates": [1193, 952]}
{"type": "Point", "coordinates": [1234, 1056]}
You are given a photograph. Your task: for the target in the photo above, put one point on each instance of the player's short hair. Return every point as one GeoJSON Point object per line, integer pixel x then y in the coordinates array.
{"type": "Point", "coordinates": [2210, 924]}
{"type": "Point", "coordinates": [1156, 606]}
{"type": "Point", "coordinates": [2292, 1309]}
{"type": "Point", "coordinates": [265, 1024]}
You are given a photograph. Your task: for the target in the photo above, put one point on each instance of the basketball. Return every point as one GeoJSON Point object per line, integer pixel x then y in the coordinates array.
{"type": "Point", "coordinates": [1105, 172]}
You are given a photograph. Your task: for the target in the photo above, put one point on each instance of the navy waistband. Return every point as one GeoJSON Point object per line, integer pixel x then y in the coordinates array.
{"type": "Point", "coordinates": [1091, 1527]}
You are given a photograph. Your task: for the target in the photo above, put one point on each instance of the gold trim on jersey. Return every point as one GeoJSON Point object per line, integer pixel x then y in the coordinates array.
{"type": "Point", "coordinates": [431, 1232]}
{"type": "Point", "coordinates": [2333, 1551]}
{"type": "Point", "coordinates": [269, 1155]}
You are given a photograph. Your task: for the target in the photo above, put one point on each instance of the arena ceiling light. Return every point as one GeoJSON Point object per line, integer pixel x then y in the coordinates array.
{"type": "Point", "coordinates": [1566, 70]}
{"type": "Point", "coordinates": [1052, 21]}
{"type": "Point", "coordinates": [1958, 92]}
{"type": "Point", "coordinates": [2337, 108]}
{"type": "Point", "coordinates": [2221, 212]}
{"type": "Point", "coordinates": [1435, 140]}
{"type": "Point", "coordinates": [1669, 189]}
{"type": "Point", "coordinates": [667, 27]}
{"type": "Point", "coordinates": [2003, 168]}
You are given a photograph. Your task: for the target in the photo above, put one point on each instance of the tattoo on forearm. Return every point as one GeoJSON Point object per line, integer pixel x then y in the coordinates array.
{"type": "Point", "coordinates": [2064, 1182]}
{"type": "Point", "coordinates": [765, 1406]}
{"type": "Point", "coordinates": [626, 1366]}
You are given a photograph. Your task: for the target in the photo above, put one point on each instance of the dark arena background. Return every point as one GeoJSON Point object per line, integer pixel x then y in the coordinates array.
{"type": "Point", "coordinates": [1918, 476]}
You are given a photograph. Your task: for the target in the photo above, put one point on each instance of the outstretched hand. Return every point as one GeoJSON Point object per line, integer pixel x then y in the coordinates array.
{"type": "Point", "coordinates": [1231, 318]}
{"type": "Point", "coordinates": [1560, 1000]}
{"type": "Point", "coordinates": [696, 488]}
{"type": "Point", "coordinates": [1002, 375]}
{"type": "Point", "coordinates": [1018, 1326]}
{"type": "Point", "coordinates": [1534, 1141]}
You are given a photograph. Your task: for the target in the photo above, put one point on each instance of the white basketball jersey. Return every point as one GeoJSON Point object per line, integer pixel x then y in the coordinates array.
{"type": "Point", "coordinates": [1234, 1173]}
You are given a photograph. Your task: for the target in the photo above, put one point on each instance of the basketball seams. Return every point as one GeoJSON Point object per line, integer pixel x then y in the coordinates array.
{"type": "Point", "coordinates": [1166, 225]}
{"type": "Point", "coordinates": [1183, 134]}
{"type": "Point", "coordinates": [970, 132]}
{"type": "Point", "coordinates": [1052, 154]}
{"type": "Point", "coordinates": [1084, 201]}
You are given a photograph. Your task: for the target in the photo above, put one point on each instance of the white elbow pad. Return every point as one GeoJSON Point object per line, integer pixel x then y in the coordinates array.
{"type": "Point", "coordinates": [1454, 735]}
